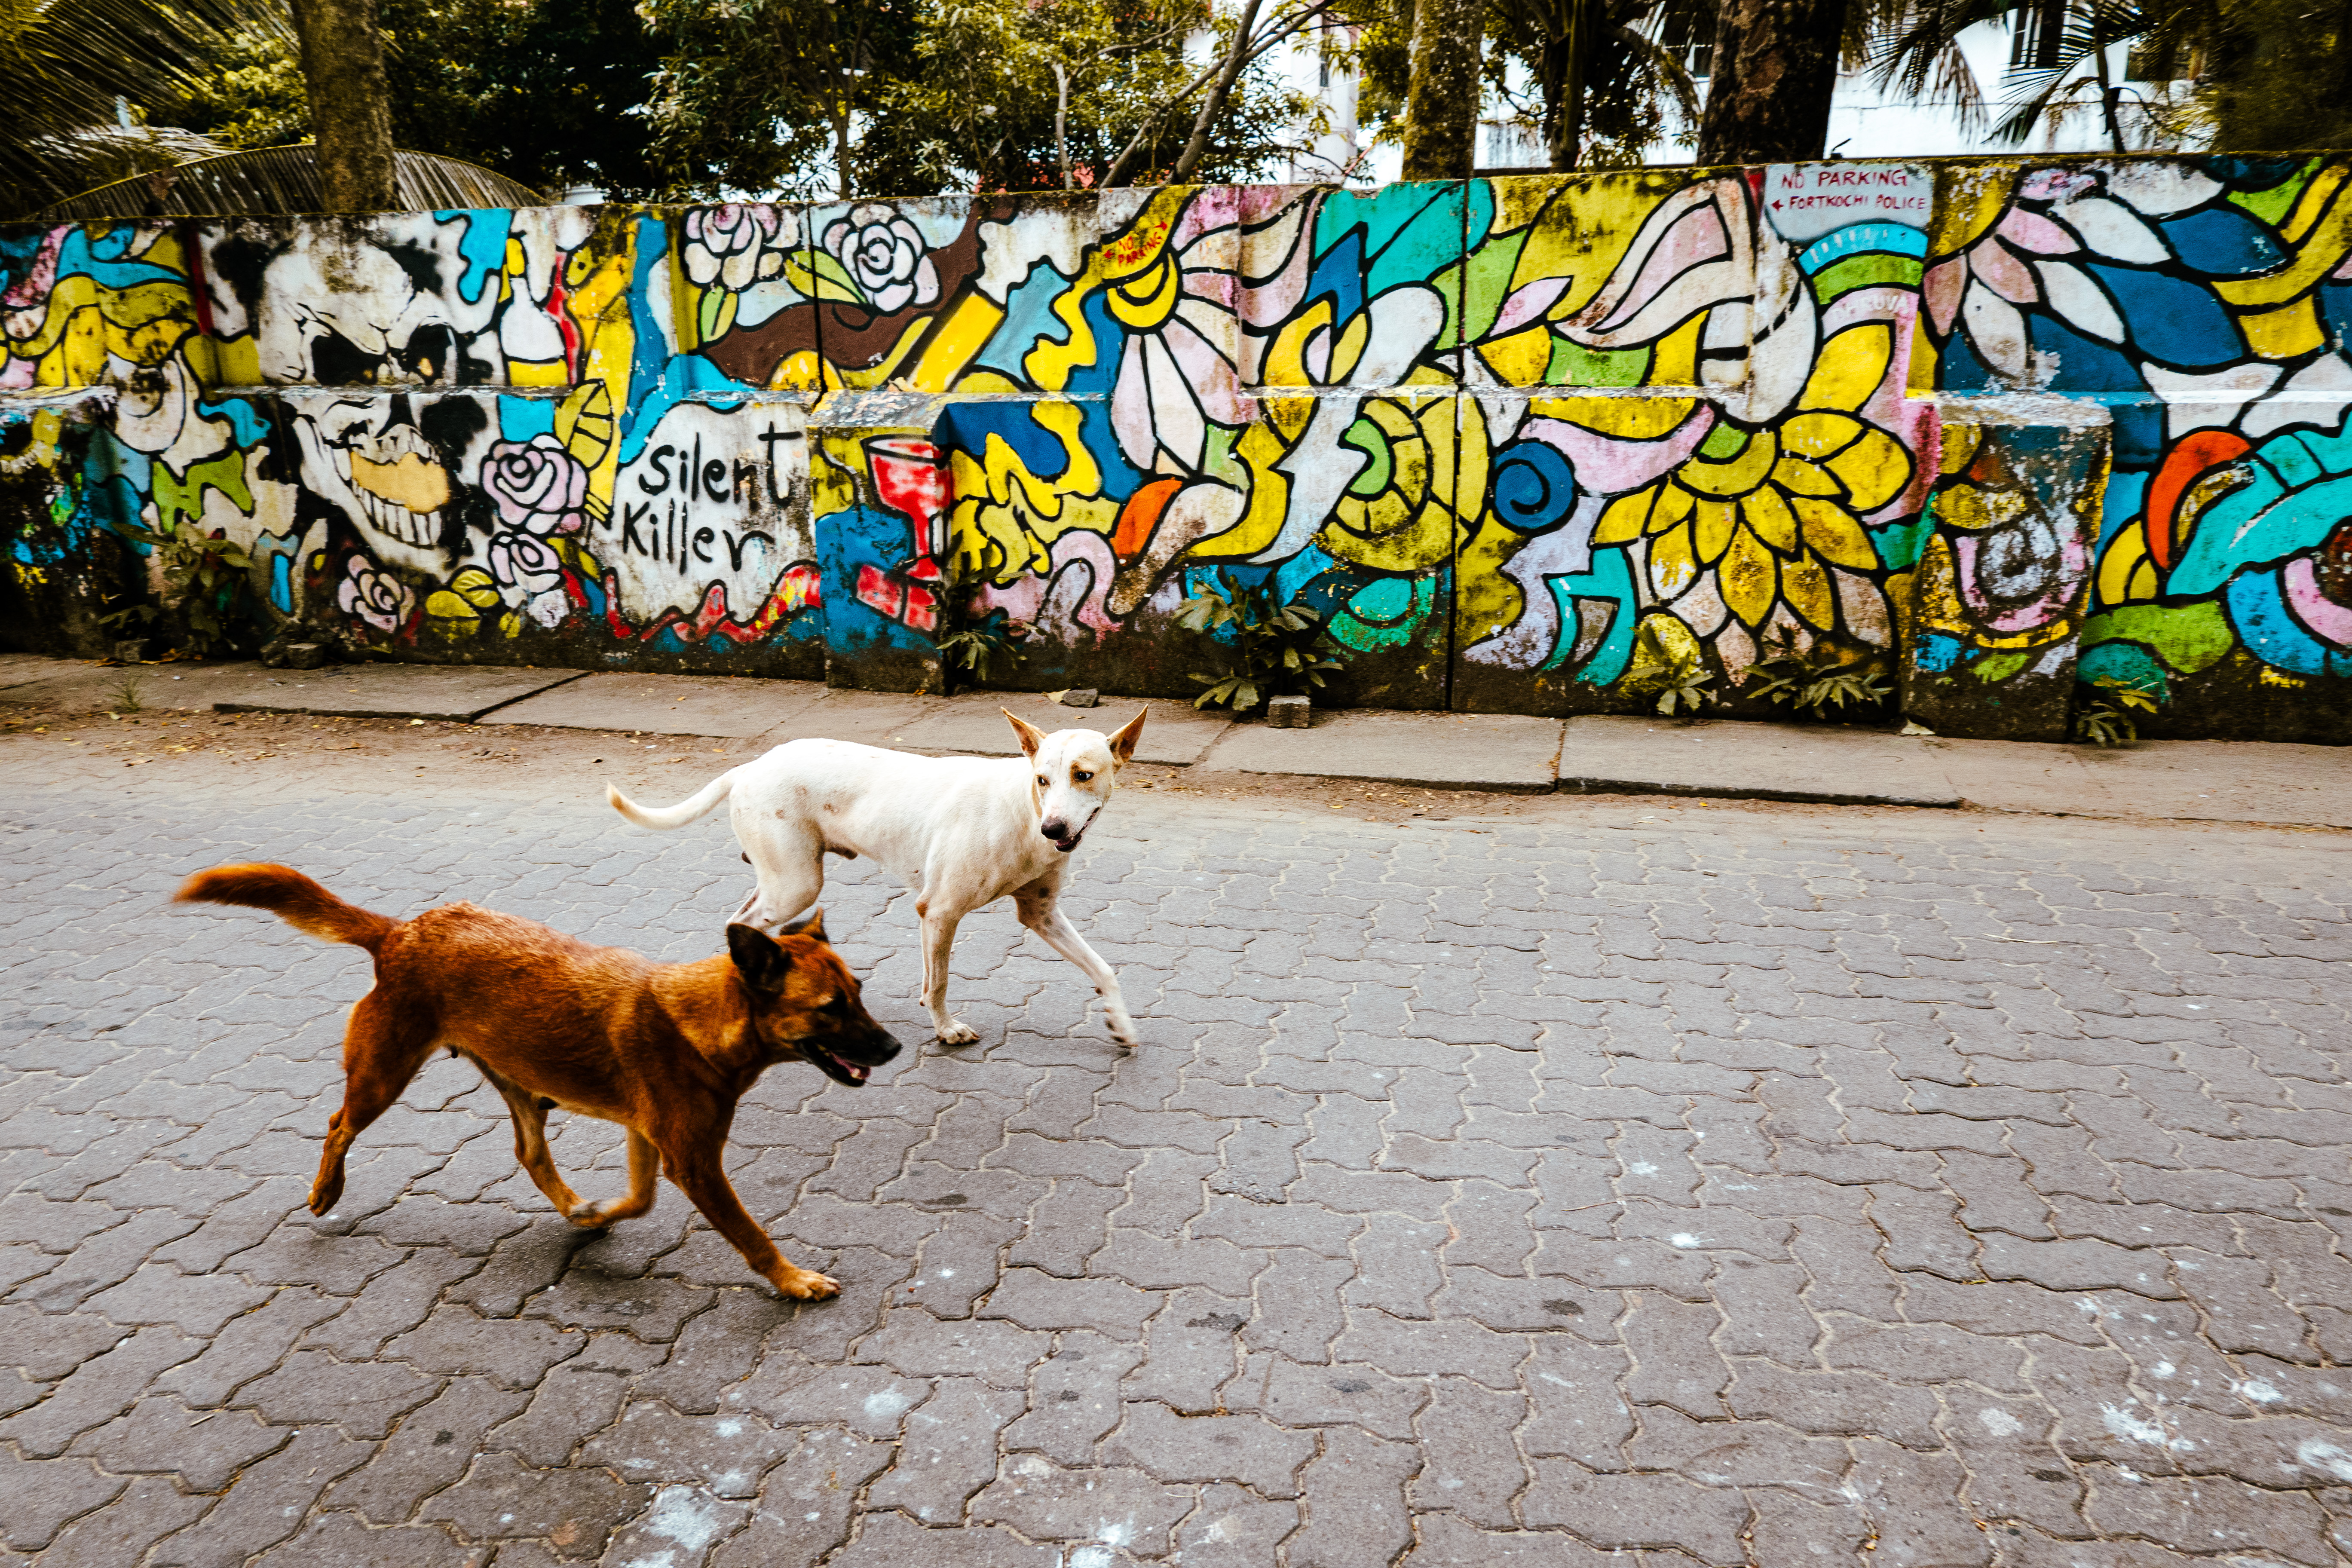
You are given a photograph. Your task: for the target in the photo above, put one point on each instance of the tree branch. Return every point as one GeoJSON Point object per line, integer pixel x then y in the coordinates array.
{"type": "Point", "coordinates": [1280, 28]}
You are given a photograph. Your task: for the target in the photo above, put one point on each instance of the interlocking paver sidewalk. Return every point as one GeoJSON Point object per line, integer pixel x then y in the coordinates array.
{"type": "Point", "coordinates": [2213, 780]}
{"type": "Point", "coordinates": [1595, 1182]}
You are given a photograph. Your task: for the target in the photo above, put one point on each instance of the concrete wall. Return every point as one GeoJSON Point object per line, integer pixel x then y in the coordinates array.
{"type": "Point", "coordinates": [2008, 422]}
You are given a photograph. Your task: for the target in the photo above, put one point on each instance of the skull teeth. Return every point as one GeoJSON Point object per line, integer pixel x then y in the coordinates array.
{"type": "Point", "coordinates": [395, 522]}
{"type": "Point", "coordinates": [382, 451]}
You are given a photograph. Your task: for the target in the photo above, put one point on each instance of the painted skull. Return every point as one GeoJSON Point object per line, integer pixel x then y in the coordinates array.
{"type": "Point", "coordinates": [370, 456]}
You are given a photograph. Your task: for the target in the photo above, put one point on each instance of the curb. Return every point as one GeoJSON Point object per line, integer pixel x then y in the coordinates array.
{"type": "Point", "coordinates": [1587, 786]}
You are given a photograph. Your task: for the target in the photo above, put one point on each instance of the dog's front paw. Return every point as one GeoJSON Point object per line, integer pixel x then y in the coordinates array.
{"type": "Point", "coordinates": [956, 1032]}
{"type": "Point", "coordinates": [589, 1216]}
{"type": "Point", "coordinates": [805, 1284]}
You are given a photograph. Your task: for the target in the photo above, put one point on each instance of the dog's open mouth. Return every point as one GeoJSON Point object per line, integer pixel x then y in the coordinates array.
{"type": "Point", "coordinates": [1066, 845]}
{"type": "Point", "coordinates": [838, 1068]}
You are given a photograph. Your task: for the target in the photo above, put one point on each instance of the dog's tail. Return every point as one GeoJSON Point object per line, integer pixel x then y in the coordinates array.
{"type": "Point", "coordinates": [292, 897]}
{"type": "Point", "coordinates": [676, 815]}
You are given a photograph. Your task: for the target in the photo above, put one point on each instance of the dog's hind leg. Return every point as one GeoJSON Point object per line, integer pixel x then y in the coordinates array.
{"type": "Point", "coordinates": [382, 1049]}
{"type": "Point", "coordinates": [700, 1177]}
{"type": "Point", "coordinates": [531, 1151]}
{"type": "Point", "coordinates": [645, 1165]}
{"type": "Point", "coordinates": [1041, 912]}
{"type": "Point", "coordinates": [788, 859]}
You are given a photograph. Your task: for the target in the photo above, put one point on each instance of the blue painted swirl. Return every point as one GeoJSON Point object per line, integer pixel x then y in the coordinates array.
{"type": "Point", "coordinates": [1535, 485]}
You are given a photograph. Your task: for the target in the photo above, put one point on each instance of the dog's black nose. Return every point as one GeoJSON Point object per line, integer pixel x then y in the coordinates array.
{"type": "Point", "coordinates": [1055, 829]}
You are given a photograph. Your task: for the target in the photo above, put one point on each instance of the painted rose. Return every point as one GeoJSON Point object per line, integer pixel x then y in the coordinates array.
{"type": "Point", "coordinates": [537, 486]}
{"type": "Point", "coordinates": [530, 573]}
{"type": "Point", "coordinates": [735, 244]}
{"type": "Point", "coordinates": [884, 252]}
{"type": "Point", "coordinates": [373, 594]}
{"type": "Point", "coordinates": [2022, 572]}
{"type": "Point", "coordinates": [525, 562]}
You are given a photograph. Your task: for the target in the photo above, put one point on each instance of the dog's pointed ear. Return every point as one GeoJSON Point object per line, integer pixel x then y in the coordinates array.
{"type": "Point", "coordinates": [812, 927]}
{"type": "Point", "coordinates": [1031, 736]}
{"type": "Point", "coordinates": [1122, 744]}
{"type": "Point", "coordinates": [761, 962]}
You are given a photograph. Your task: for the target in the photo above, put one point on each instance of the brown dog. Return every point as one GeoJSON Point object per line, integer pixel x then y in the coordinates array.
{"type": "Point", "coordinates": [665, 1049]}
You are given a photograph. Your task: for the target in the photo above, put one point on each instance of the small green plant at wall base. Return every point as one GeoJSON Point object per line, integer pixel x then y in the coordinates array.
{"type": "Point", "coordinates": [126, 695]}
{"type": "Point", "coordinates": [2107, 720]}
{"type": "Point", "coordinates": [1821, 678]}
{"type": "Point", "coordinates": [970, 643]}
{"type": "Point", "coordinates": [1679, 679]}
{"type": "Point", "coordinates": [1276, 649]}
{"type": "Point", "coordinates": [208, 581]}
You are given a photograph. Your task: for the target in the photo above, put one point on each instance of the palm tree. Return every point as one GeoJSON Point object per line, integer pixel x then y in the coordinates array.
{"type": "Point", "coordinates": [82, 79]}
{"type": "Point", "coordinates": [2260, 75]}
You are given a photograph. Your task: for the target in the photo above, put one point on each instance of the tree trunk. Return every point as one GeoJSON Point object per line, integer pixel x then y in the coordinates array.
{"type": "Point", "coordinates": [351, 107]}
{"type": "Point", "coordinates": [1562, 64]}
{"type": "Point", "coordinates": [841, 149]}
{"type": "Point", "coordinates": [1188, 162]}
{"type": "Point", "coordinates": [1441, 131]}
{"type": "Point", "coordinates": [1062, 120]}
{"type": "Point", "coordinates": [2110, 103]}
{"type": "Point", "coordinates": [1775, 67]}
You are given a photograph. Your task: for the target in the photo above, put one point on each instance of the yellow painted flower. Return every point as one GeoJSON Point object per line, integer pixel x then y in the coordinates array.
{"type": "Point", "coordinates": [1770, 512]}
{"type": "Point", "coordinates": [1759, 517]}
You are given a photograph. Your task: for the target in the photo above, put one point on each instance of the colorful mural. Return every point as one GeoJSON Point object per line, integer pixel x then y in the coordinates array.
{"type": "Point", "coordinates": [465, 434]}
{"type": "Point", "coordinates": [2000, 425]}
{"type": "Point", "coordinates": [2203, 303]}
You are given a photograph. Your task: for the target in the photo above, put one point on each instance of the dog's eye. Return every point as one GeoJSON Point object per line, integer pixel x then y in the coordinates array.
{"type": "Point", "coordinates": [1044, 780]}
{"type": "Point", "coordinates": [1080, 776]}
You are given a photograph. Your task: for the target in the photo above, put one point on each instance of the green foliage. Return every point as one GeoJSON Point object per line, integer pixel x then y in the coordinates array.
{"type": "Point", "coordinates": [759, 95]}
{"type": "Point", "coordinates": [2106, 720]}
{"type": "Point", "coordinates": [92, 88]}
{"type": "Point", "coordinates": [1679, 678]}
{"type": "Point", "coordinates": [968, 642]}
{"type": "Point", "coordinates": [2268, 74]}
{"type": "Point", "coordinates": [939, 95]}
{"type": "Point", "coordinates": [1272, 650]}
{"type": "Point", "coordinates": [257, 97]}
{"type": "Point", "coordinates": [677, 99]}
{"type": "Point", "coordinates": [545, 91]}
{"type": "Point", "coordinates": [1637, 88]}
{"type": "Point", "coordinates": [1382, 57]}
{"type": "Point", "coordinates": [1630, 56]}
{"type": "Point", "coordinates": [989, 96]}
{"type": "Point", "coordinates": [125, 693]}
{"type": "Point", "coordinates": [1821, 678]}
{"type": "Point", "coordinates": [207, 581]}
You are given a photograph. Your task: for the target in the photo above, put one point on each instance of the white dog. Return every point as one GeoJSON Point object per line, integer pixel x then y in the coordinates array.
{"type": "Point", "coordinates": [961, 832]}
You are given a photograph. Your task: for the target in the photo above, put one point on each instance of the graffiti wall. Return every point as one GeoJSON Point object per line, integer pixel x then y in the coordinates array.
{"type": "Point", "coordinates": [2202, 304]}
{"type": "Point", "coordinates": [1996, 428]}
{"type": "Point", "coordinates": [468, 434]}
